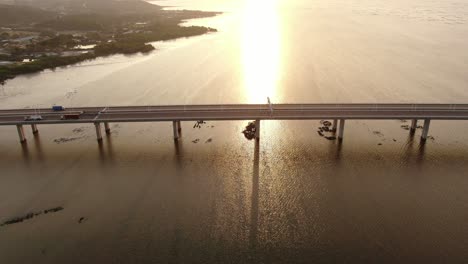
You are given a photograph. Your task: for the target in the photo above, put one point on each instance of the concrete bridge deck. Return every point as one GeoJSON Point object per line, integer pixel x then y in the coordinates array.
{"type": "Point", "coordinates": [258, 112]}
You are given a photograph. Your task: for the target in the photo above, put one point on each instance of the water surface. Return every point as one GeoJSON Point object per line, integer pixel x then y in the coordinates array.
{"type": "Point", "coordinates": [295, 197]}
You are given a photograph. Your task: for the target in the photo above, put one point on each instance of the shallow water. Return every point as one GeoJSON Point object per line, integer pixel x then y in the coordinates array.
{"type": "Point", "coordinates": [293, 198]}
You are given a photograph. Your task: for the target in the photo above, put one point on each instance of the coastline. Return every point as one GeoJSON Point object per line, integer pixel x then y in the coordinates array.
{"type": "Point", "coordinates": [168, 26]}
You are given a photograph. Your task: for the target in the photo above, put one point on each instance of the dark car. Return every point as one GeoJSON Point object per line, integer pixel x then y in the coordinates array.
{"type": "Point", "coordinates": [58, 108]}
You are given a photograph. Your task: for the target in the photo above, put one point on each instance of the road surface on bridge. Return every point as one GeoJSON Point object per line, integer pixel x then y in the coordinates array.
{"type": "Point", "coordinates": [120, 114]}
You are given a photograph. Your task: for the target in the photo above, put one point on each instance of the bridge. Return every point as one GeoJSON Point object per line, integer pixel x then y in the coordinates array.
{"type": "Point", "coordinates": [176, 114]}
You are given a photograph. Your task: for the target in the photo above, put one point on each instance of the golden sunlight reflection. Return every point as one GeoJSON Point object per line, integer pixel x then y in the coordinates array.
{"type": "Point", "coordinates": [261, 49]}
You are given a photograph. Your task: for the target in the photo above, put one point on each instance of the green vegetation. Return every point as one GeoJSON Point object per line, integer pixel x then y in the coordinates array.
{"type": "Point", "coordinates": [122, 47]}
{"type": "Point", "coordinates": [81, 7]}
{"type": "Point", "coordinates": [92, 6]}
{"type": "Point", "coordinates": [124, 44]}
{"type": "Point", "coordinates": [13, 15]}
{"type": "Point", "coordinates": [41, 33]}
{"type": "Point", "coordinates": [51, 62]}
{"type": "Point", "coordinates": [165, 32]}
{"type": "Point", "coordinates": [11, 71]}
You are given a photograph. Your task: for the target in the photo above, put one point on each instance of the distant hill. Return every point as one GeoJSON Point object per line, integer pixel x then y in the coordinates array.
{"type": "Point", "coordinates": [111, 7]}
{"type": "Point", "coordinates": [13, 15]}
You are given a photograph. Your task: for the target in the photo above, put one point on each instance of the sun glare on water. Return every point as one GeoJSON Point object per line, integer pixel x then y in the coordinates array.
{"type": "Point", "coordinates": [261, 48]}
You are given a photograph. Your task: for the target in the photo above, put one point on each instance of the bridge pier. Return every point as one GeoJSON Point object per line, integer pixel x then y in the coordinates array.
{"type": "Point", "coordinates": [175, 128]}
{"type": "Point", "coordinates": [341, 129]}
{"type": "Point", "coordinates": [257, 129]}
{"type": "Point", "coordinates": [21, 135]}
{"type": "Point", "coordinates": [335, 125]}
{"type": "Point", "coordinates": [34, 129]}
{"type": "Point", "coordinates": [414, 124]}
{"type": "Point", "coordinates": [107, 128]}
{"type": "Point", "coordinates": [425, 132]}
{"type": "Point", "coordinates": [98, 131]}
{"type": "Point", "coordinates": [179, 127]}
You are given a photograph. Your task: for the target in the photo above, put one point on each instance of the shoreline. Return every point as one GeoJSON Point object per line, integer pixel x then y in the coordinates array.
{"type": "Point", "coordinates": [127, 43]}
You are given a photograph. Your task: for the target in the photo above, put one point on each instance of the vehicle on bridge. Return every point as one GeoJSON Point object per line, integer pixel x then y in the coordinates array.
{"type": "Point", "coordinates": [58, 108]}
{"type": "Point", "coordinates": [70, 117]}
{"type": "Point", "coordinates": [33, 118]}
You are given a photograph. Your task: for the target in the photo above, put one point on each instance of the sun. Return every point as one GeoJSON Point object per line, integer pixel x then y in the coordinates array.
{"type": "Point", "coordinates": [261, 49]}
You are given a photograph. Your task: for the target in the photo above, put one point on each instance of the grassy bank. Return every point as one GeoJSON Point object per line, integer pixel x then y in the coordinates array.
{"type": "Point", "coordinates": [51, 62]}
{"type": "Point", "coordinates": [111, 34]}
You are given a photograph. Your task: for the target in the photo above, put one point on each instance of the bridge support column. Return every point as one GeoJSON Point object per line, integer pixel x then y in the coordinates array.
{"type": "Point", "coordinates": [107, 127]}
{"type": "Point", "coordinates": [98, 131]}
{"type": "Point", "coordinates": [21, 133]}
{"type": "Point", "coordinates": [175, 127]}
{"type": "Point", "coordinates": [179, 127]}
{"type": "Point", "coordinates": [341, 130]}
{"type": "Point", "coordinates": [257, 129]}
{"type": "Point", "coordinates": [34, 129]}
{"type": "Point", "coordinates": [414, 124]}
{"type": "Point", "coordinates": [335, 125]}
{"type": "Point", "coordinates": [425, 132]}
